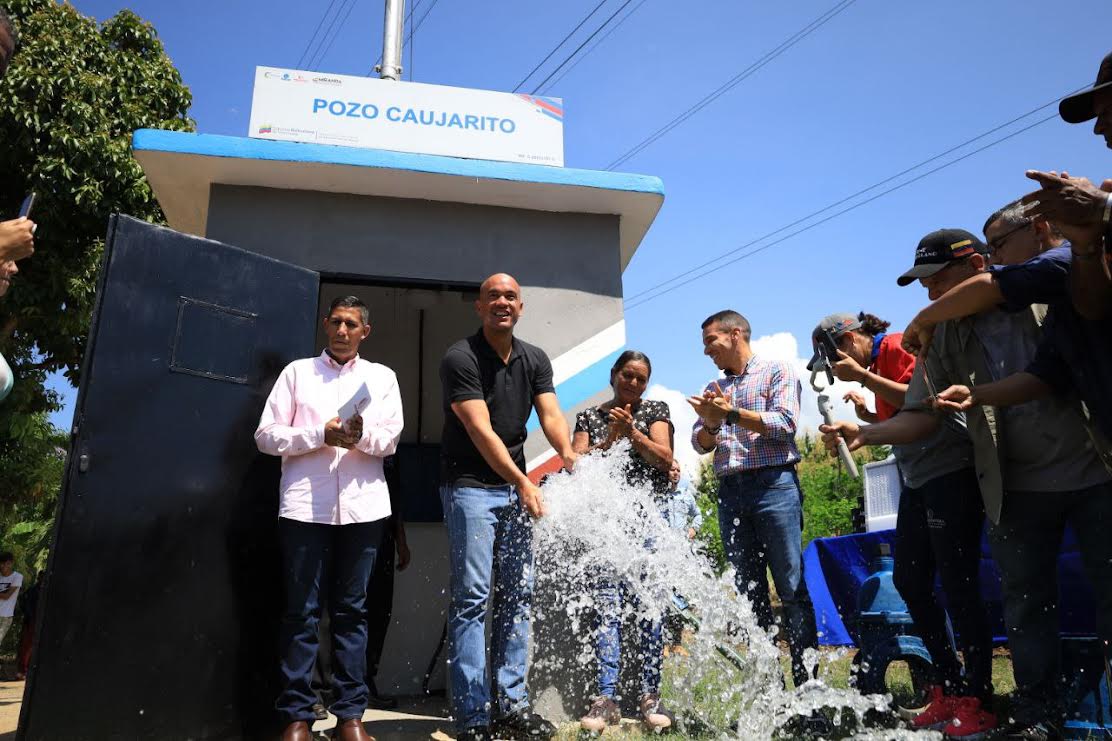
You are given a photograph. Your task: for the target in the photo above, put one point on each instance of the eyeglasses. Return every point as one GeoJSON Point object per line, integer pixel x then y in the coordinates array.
{"type": "Point", "coordinates": [997, 244]}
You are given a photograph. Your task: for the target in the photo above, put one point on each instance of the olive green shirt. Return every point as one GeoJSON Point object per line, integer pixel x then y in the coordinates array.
{"type": "Point", "coordinates": [957, 356]}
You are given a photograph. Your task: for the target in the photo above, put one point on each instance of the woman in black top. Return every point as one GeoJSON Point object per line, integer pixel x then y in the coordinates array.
{"type": "Point", "coordinates": [648, 427]}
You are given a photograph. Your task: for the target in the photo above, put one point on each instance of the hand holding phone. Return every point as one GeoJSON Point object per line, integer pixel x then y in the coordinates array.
{"type": "Point", "coordinates": [17, 239]}
{"type": "Point", "coordinates": [28, 204]}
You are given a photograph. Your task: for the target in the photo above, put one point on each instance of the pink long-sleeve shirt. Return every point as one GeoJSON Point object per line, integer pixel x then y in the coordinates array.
{"type": "Point", "coordinates": [320, 483]}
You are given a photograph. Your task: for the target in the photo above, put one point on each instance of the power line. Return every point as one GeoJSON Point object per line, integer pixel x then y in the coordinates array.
{"type": "Point", "coordinates": [585, 42]}
{"type": "Point", "coordinates": [835, 215]}
{"type": "Point", "coordinates": [312, 61]}
{"type": "Point", "coordinates": [555, 48]}
{"type": "Point", "coordinates": [409, 41]}
{"type": "Point", "coordinates": [324, 52]}
{"type": "Point", "coordinates": [414, 27]}
{"type": "Point", "coordinates": [417, 26]}
{"type": "Point", "coordinates": [733, 81]}
{"type": "Point", "coordinates": [313, 38]}
{"type": "Point", "coordinates": [594, 46]}
{"type": "Point", "coordinates": [863, 191]}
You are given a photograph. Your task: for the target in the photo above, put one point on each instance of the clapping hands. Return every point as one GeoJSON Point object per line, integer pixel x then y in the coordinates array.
{"type": "Point", "coordinates": [712, 406]}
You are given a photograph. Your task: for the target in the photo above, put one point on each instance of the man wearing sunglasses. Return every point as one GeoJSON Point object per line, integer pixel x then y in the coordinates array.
{"type": "Point", "coordinates": [1037, 468]}
{"type": "Point", "coordinates": [1031, 265]}
{"type": "Point", "coordinates": [1014, 238]}
{"type": "Point", "coordinates": [1073, 279]}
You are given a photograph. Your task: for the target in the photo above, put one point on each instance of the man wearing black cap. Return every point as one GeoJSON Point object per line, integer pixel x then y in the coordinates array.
{"type": "Point", "coordinates": [1096, 102]}
{"type": "Point", "coordinates": [1032, 265]}
{"type": "Point", "coordinates": [1036, 467]}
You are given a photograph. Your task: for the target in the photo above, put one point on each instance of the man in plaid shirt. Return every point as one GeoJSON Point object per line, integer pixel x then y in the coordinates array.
{"type": "Point", "coordinates": [749, 420]}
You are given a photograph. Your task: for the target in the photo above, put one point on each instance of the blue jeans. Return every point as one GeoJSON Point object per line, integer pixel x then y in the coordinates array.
{"type": "Point", "coordinates": [767, 506]}
{"type": "Point", "coordinates": [333, 562]}
{"type": "Point", "coordinates": [1025, 545]}
{"type": "Point", "coordinates": [490, 546]}
{"type": "Point", "coordinates": [610, 594]}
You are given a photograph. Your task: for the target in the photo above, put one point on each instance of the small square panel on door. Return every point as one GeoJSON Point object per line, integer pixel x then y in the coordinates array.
{"type": "Point", "coordinates": [212, 341]}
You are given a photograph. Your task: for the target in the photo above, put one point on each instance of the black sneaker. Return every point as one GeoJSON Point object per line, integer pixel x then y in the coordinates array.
{"type": "Point", "coordinates": [1025, 732]}
{"type": "Point", "coordinates": [475, 733]}
{"type": "Point", "coordinates": [522, 726]}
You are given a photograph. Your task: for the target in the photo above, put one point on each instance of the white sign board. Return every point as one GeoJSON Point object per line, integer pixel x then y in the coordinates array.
{"type": "Point", "coordinates": [406, 117]}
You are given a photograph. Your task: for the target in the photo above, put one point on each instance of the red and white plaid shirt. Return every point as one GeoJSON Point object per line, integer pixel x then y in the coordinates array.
{"type": "Point", "coordinates": [772, 389]}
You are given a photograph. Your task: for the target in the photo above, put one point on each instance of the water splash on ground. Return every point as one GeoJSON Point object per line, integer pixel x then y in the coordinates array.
{"type": "Point", "coordinates": [731, 685]}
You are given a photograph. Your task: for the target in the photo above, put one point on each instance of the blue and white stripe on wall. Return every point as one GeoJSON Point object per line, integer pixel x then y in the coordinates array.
{"type": "Point", "coordinates": [580, 374]}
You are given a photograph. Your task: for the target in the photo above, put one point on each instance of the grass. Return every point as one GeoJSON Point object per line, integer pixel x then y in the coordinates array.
{"type": "Point", "coordinates": [836, 672]}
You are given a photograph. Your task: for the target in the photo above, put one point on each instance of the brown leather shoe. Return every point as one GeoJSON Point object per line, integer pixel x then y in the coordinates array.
{"type": "Point", "coordinates": [297, 731]}
{"type": "Point", "coordinates": [351, 730]}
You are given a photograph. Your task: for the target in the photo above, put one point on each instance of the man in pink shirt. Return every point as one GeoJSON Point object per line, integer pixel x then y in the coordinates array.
{"type": "Point", "coordinates": [333, 509]}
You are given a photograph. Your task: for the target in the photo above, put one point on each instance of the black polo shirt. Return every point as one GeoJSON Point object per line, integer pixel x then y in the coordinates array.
{"type": "Point", "coordinates": [471, 369]}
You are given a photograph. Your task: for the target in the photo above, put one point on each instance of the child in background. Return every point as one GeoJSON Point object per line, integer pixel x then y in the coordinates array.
{"type": "Point", "coordinates": [10, 583]}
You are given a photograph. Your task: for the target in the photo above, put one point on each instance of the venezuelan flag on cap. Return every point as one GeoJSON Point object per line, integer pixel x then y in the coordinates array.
{"type": "Point", "coordinates": [938, 249]}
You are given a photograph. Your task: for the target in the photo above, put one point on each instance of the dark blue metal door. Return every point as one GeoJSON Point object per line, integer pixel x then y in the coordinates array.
{"type": "Point", "coordinates": [161, 600]}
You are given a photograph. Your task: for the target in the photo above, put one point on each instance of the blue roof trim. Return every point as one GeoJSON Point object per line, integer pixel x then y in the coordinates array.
{"type": "Point", "coordinates": [214, 145]}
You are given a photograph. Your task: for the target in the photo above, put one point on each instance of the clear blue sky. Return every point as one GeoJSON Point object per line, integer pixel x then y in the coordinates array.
{"type": "Point", "coordinates": [879, 88]}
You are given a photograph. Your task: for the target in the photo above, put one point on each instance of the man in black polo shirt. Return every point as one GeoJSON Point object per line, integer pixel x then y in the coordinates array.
{"type": "Point", "coordinates": [492, 382]}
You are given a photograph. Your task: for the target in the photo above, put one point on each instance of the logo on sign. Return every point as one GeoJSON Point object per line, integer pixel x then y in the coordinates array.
{"type": "Point", "coordinates": [284, 77]}
{"type": "Point", "coordinates": [546, 106]}
{"type": "Point", "coordinates": [328, 81]}
{"type": "Point", "coordinates": [266, 129]}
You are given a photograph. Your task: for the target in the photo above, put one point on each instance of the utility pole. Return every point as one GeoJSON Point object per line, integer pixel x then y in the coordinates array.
{"type": "Point", "coordinates": [392, 30]}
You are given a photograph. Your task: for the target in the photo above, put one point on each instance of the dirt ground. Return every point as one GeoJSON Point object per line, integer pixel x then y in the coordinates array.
{"type": "Point", "coordinates": [422, 718]}
{"type": "Point", "coordinates": [11, 697]}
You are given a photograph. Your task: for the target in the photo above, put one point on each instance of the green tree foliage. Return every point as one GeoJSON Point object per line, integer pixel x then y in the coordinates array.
{"type": "Point", "coordinates": [35, 471]}
{"type": "Point", "coordinates": [829, 496]}
{"type": "Point", "coordinates": [75, 92]}
{"type": "Point", "coordinates": [706, 496]}
{"type": "Point", "coordinates": [829, 492]}
{"type": "Point", "coordinates": [69, 103]}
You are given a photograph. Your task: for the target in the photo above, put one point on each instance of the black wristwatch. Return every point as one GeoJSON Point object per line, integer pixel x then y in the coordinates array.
{"type": "Point", "coordinates": [733, 417]}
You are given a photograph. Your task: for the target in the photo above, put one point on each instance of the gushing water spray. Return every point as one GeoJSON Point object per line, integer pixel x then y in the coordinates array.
{"type": "Point", "coordinates": [732, 684]}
